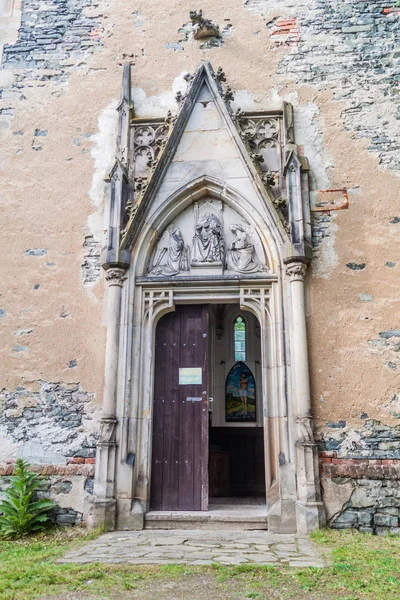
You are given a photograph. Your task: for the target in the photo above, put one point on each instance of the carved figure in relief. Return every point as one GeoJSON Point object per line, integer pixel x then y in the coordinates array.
{"type": "Point", "coordinates": [208, 242]}
{"type": "Point", "coordinates": [172, 254]}
{"type": "Point", "coordinates": [241, 254]}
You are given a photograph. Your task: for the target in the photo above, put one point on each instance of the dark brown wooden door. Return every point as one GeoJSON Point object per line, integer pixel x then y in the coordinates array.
{"type": "Point", "coordinates": [179, 476]}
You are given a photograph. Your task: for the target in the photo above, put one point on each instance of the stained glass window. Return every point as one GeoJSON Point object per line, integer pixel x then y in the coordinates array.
{"type": "Point", "coordinates": [240, 339]}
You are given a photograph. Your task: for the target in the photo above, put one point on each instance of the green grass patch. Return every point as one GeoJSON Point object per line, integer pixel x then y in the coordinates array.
{"type": "Point", "coordinates": [363, 567]}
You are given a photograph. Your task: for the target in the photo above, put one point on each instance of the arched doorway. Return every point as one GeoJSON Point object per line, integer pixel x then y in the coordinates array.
{"type": "Point", "coordinates": [206, 449]}
{"type": "Point", "coordinates": [237, 462]}
{"type": "Point", "coordinates": [179, 467]}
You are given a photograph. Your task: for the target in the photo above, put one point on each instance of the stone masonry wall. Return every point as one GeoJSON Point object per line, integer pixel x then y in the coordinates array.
{"type": "Point", "coordinates": [362, 494]}
{"type": "Point", "coordinates": [70, 487]}
{"type": "Point", "coordinates": [49, 425]}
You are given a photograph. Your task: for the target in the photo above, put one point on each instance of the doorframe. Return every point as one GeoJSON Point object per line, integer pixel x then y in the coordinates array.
{"type": "Point", "coordinates": [152, 300]}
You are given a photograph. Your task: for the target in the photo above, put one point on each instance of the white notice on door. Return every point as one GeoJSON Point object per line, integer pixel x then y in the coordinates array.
{"type": "Point", "coordinates": [190, 376]}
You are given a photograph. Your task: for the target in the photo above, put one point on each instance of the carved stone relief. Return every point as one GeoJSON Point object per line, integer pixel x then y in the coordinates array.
{"type": "Point", "coordinates": [241, 256]}
{"type": "Point", "coordinates": [208, 243]}
{"type": "Point", "coordinates": [262, 135]}
{"type": "Point", "coordinates": [148, 141]}
{"type": "Point", "coordinates": [172, 254]}
{"type": "Point", "coordinates": [208, 238]}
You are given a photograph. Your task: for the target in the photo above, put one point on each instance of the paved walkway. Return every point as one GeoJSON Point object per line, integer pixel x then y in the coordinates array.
{"type": "Point", "coordinates": [198, 547]}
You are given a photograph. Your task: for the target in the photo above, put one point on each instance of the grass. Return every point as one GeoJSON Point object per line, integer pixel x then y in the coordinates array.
{"type": "Point", "coordinates": [363, 567]}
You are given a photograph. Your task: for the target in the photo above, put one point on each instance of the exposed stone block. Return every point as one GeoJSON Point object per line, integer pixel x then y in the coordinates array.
{"type": "Point", "coordinates": [345, 520]}
{"type": "Point", "coordinates": [382, 520]}
{"type": "Point", "coordinates": [365, 518]}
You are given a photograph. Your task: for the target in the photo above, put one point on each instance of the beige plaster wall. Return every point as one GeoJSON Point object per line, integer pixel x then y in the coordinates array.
{"type": "Point", "coordinates": [51, 198]}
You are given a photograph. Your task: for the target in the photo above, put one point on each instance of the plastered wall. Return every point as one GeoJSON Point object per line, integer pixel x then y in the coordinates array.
{"type": "Point", "coordinates": [59, 84]}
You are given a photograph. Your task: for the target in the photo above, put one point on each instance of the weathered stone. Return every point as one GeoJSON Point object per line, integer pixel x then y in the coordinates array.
{"type": "Point", "coordinates": [36, 252]}
{"type": "Point", "coordinates": [383, 520]}
{"type": "Point", "coordinates": [348, 518]}
{"type": "Point", "coordinates": [365, 518]}
{"type": "Point", "coordinates": [356, 266]}
{"type": "Point", "coordinates": [62, 487]}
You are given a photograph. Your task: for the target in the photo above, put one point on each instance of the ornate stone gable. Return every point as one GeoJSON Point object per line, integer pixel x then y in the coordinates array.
{"type": "Point", "coordinates": [248, 152]}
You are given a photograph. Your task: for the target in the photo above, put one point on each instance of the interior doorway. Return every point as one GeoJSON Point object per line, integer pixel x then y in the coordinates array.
{"type": "Point", "coordinates": [208, 435]}
{"type": "Point", "coordinates": [236, 435]}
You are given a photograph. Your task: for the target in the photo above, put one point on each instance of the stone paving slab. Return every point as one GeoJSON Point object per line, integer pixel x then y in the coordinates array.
{"type": "Point", "coordinates": [199, 547]}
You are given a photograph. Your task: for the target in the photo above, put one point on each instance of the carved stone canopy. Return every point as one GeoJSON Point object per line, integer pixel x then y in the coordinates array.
{"type": "Point", "coordinates": [208, 238]}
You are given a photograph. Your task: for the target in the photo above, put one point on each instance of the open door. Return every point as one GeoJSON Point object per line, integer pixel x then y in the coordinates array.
{"type": "Point", "coordinates": [179, 476]}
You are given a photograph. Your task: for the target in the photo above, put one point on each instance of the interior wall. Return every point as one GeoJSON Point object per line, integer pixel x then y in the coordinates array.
{"type": "Point", "coordinates": [237, 466]}
{"type": "Point", "coordinates": [224, 359]}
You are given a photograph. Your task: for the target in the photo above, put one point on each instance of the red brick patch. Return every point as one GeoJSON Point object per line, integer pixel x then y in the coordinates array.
{"type": "Point", "coordinates": [360, 468]}
{"type": "Point", "coordinates": [328, 454]}
{"type": "Point", "coordinates": [330, 200]}
{"type": "Point", "coordinates": [86, 470]}
{"type": "Point", "coordinates": [390, 10]}
{"type": "Point", "coordinates": [286, 32]}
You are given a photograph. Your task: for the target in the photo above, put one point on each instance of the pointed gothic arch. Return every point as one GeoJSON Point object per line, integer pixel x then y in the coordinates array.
{"type": "Point", "coordinates": [201, 188]}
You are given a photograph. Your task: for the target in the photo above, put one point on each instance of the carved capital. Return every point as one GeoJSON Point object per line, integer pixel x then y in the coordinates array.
{"type": "Point", "coordinates": [306, 434]}
{"type": "Point", "coordinates": [296, 271]}
{"type": "Point", "coordinates": [107, 431]}
{"type": "Point", "coordinates": [115, 276]}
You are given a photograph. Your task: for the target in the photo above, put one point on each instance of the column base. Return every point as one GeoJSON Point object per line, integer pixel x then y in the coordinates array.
{"type": "Point", "coordinates": [102, 513]}
{"type": "Point", "coordinates": [130, 515]}
{"type": "Point", "coordinates": [310, 516]}
{"type": "Point", "coordinates": [282, 517]}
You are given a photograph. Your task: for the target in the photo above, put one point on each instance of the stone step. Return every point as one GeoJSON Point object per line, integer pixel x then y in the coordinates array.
{"type": "Point", "coordinates": [240, 521]}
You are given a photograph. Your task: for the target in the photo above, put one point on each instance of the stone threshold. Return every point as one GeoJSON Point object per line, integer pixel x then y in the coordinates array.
{"type": "Point", "coordinates": [233, 517]}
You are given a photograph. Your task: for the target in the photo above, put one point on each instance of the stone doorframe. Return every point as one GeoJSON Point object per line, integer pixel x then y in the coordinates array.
{"type": "Point", "coordinates": [122, 481]}
{"type": "Point", "coordinates": [136, 302]}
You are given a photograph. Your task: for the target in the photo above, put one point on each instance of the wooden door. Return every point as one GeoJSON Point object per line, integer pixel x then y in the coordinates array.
{"type": "Point", "coordinates": [179, 476]}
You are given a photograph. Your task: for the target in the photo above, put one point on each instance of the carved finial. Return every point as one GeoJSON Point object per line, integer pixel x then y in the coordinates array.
{"type": "Point", "coordinates": [228, 94]}
{"type": "Point", "coordinates": [256, 157]}
{"type": "Point", "coordinates": [141, 184]}
{"type": "Point", "coordinates": [179, 97]}
{"type": "Point", "coordinates": [152, 164]}
{"type": "Point", "coordinates": [203, 28]}
{"type": "Point", "coordinates": [220, 75]}
{"type": "Point", "coordinates": [279, 203]}
{"type": "Point", "coordinates": [239, 113]}
{"type": "Point", "coordinates": [270, 178]}
{"type": "Point", "coordinates": [170, 118]}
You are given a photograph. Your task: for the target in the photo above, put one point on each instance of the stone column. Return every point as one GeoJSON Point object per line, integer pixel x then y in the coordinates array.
{"type": "Point", "coordinates": [102, 509]}
{"type": "Point", "coordinates": [309, 508]}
